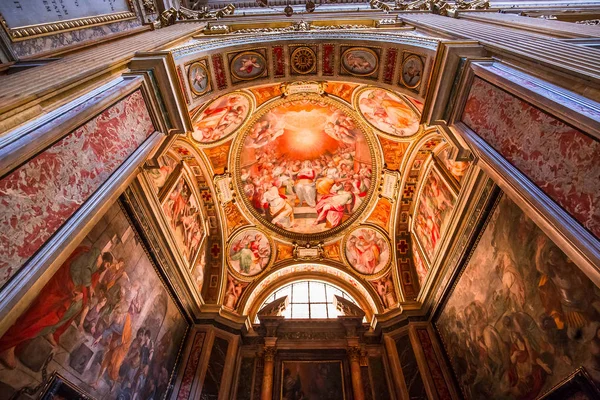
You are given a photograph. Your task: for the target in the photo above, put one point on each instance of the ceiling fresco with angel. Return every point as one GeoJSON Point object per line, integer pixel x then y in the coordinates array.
{"type": "Point", "coordinates": [305, 165]}
{"type": "Point", "coordinates": [314, 170]}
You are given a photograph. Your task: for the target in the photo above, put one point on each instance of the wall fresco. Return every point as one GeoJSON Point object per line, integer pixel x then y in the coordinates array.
{"type": "Point", "coordinates": [523, 310]}
{"type": "Point", "coordinates": [104, 320]}
{"type": "Point", "coordinates": [38, 197]}
{"type": "Point", "coordinates": [182, 209]}
{"type": "Point", "coordinates": [562, 160]}
{"type": "Point", "coordinates": [433, 211]}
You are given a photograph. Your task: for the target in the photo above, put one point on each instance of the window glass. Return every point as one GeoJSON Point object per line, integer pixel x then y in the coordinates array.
{"type": "Point", "coordinates": [309, 299]}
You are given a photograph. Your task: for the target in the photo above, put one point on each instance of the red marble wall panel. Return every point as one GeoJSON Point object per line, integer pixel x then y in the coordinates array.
{"type": "Point", "coordinates": [38, 197]}
{"type": "Point", "coordinates": [390, 65]}
{"type": "Point", "coordinates": [433, 364]}
{"type": "Point", "coordinates": [560, 159]}
{"type": "Point", "coordinates": [190, 368]}
{"type": "Point", "coordinates": [219, 71]}
{"type": "Point", "coordinates": [328, 61]}
{"type": "Point", "coordinates": [278, 61]}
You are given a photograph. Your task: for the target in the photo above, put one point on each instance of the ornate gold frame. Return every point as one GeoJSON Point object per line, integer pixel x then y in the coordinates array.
{"type": "Point", "coordinates": [383, 270]}
{"type": "Point", "coordinates": [235, 235]}
{"type": "Point", "coordinates": [247, 208]}
{"type": "Point", "coordinates": [251, 109]}
{"type": "Point", "coordinates": [20, 33]}
{"type": "Point", "coordinates": [355, 98]}
{"type": "Point", "coordinates": [313, 69]}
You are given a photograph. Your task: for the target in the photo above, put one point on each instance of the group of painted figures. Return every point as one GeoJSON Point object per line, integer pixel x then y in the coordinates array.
{"type": "Point", "coordinates": [93, 293]}
{"type": "Point", "coordinates": [534, 321]}
{"type": "Point", "coordinates": [331, 186]}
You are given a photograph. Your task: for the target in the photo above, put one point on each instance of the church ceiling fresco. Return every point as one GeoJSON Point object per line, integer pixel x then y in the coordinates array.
{"type": "Point", "coordinates": [305, 162]}
{"type": "Point", "coordinates": [396, 62]}
{"type": "Point", "coordinates": [221, 117]}
{"type": "Point", "coordinates": [387, 112]}
{"type": "Point", "coordinates": [305, 166]}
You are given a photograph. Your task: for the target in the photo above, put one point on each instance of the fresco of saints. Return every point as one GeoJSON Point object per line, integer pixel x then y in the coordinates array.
{"type": "Point", "coordinates": [66, 295]}
{"type": "Point", "coordinates": [388, 113]}
{"type": "Point", "coordinates": [367, 251]}
{"type": "Point", "coordinates": [309, 174]}
{"type": "Point", "coordinates": [251, 253]}
{"type": "Point", "coordinates": [433, 211]}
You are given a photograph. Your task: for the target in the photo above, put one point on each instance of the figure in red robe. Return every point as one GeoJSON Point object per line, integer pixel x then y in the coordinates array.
{"type": "Point", "coordinates": [59, 303]}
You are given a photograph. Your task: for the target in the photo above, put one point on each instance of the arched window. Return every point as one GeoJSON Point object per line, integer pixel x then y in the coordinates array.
{"type": "Point", "coordinates": [309, 299]}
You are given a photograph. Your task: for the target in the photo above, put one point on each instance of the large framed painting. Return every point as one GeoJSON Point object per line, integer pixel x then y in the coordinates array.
{"type": "Point", "coordinates": [522, 316]}
{"type": "Point", "coordinates": [105, 320]}
{"type": "Point", "coordinates": [183, 211]}
{"type": "Point", "coordinates": [304, 166]}
{"type": "Point", "coordinates": [432, 212]}
{"type": "Point", "coordinates": [323, 380]}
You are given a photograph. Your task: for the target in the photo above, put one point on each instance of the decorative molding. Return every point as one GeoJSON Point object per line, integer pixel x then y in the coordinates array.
{"type": "Point", "coordinates": [33, 31]}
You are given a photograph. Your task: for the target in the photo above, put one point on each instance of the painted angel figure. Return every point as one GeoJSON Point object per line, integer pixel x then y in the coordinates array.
{"type": "Point", "coordinates": [265, 131]}
{"type": "Point", "coordinates": [248, 64]}
{"type": "Point", "coordinates": [358, 63]}
{"type": "Point", "coordinates": [199, 77]}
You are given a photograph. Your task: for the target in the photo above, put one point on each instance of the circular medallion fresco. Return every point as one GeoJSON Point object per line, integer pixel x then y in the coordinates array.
{"type": "Point", "coordinates": [221, 117]}
{"type": "Point", "coordinates": [367, 250]}
{"type": "Point", "coordinates": [305, 167]}
{"type": "Point", "coordinates": [248, 65]}
{"type": "Point", "coordinates": [360, 61]}
{"type": "Point", "coordinates": [387, 112]}
{"type": "Point", "coordinates": [198, 77]}
{"type": "Point", "coordinates": [412, 71]}
{"type": "Point", "coordinates": [249, 252]}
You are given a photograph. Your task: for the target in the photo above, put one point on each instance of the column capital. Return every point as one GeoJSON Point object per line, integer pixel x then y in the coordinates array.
{"type": "Point", "coordinates": [354, 353]}
{"type": "Point", "coordinates": [269, 353]}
